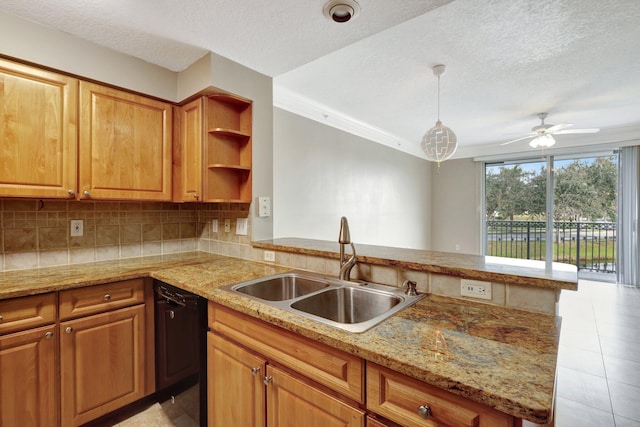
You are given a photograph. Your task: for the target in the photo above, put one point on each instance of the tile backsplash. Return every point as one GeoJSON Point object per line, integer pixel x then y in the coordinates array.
{"type": "Point", "coordinates": [36, 233]}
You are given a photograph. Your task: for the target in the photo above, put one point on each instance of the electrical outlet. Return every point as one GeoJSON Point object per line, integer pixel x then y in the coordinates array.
{"type": "Point", "coordinates": [264, 206]}
{"type": "Point", "coordinates": [242, 225]}
{"type": "Point", "coordinates": [227, 225]}
{"type": "Point", "coordinates": [475, 289]}
{"type": "Point", "coordinates": [214, 226]}
{"type": "Point", "coordinates": [77, 228]}
{"type": "Point", "coordinates": [269, 256]}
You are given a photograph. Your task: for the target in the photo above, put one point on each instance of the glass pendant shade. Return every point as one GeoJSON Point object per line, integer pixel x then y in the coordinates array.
{"type": "Point", "coordinates": [542, 141]}
{"type": "Point", "coordinates": [439, 143]}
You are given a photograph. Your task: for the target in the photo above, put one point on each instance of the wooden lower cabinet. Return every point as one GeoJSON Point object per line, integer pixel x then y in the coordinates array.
{"type": "Point", "coordinates": [244, 390]}
{"type": "Point", "coordinates": [236, 392]}
{"type": "Point", "coordinates": [401, 399]}
{"type": "Point", "coordinates": [291, 402]}
{"type": "Point", "coordinates": [28, 388]}
{"type": "Point", "coordinates": [102, 361]}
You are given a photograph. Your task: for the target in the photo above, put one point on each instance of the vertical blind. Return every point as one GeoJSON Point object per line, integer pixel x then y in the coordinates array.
{"type": "Point", "coordinates": [628, 240]}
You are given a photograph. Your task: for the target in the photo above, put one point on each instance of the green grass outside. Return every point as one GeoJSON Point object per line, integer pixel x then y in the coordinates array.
{"type": "Point", "coordinates": [590, 251]}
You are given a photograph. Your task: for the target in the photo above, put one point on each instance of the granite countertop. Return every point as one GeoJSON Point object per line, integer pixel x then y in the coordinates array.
{"type": "Point", "coordinates": [500, 357]}
{"type": "Point", "coordinates": [475, 267]}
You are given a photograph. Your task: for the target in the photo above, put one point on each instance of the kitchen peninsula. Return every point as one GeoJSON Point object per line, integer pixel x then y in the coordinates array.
{"type": "Point", "coordinates": [498, 357]}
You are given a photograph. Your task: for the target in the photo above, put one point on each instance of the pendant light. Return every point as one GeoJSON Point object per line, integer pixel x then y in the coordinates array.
{"type": "Point", "coordinates": [439, 143]}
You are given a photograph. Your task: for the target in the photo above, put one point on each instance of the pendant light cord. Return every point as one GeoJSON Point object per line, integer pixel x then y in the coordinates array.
{"type": "Point", "coordinates": [438, 98]}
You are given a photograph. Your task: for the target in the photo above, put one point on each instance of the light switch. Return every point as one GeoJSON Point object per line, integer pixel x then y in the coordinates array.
{"type": "Point", "coordinates": [242, 224]}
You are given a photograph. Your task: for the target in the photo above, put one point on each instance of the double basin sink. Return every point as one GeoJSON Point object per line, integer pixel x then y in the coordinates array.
{"type": "Point", "coordinates": [351, 306]}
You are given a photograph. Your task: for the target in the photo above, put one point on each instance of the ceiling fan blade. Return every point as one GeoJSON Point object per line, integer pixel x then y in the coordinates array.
{"type": "Point", "coordinates": [518, 139]}
{"type": "Point", "coordinates": [558, 127]}
{"type": "Point", "coordinates": [567, 131]}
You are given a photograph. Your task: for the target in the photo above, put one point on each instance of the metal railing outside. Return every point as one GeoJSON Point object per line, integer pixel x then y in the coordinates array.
{"type": "Point", "coordinates": [591, 246]}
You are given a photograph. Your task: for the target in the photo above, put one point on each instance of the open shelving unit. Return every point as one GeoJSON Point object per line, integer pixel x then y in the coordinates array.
{"type": "Point", "coordinates": [227, 174]}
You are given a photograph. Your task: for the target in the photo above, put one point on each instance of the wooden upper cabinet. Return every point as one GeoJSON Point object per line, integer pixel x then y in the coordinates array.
{"type": "Point", "coordinates": [214, 150]}
{"type": "Point", "coordinates": [187, 153]}
{"type": "Point", "coordinates": [125, 145]}
{"type": "Point", "coordinates": [38, 132]}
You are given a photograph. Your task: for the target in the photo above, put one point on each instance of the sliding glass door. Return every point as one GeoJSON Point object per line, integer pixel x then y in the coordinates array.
{"type": "Point", "coordinates": [560, 209]}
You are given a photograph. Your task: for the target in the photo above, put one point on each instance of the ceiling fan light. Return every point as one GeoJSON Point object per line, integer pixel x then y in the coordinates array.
{"type": "Point", "coordinates": [542, 141]}
{"type": "Point", "coordinates": [439, 143]}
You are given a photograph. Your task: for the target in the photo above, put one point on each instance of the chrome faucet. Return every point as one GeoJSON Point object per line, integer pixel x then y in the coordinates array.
{"type": "Point", "coordinates": [345, 239]}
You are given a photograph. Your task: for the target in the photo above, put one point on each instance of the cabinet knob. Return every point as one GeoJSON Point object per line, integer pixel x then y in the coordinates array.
{"type": "Point", "coordinates": [69, 329]}
{"type": "Point", "coordinates": [255, 371]}
{"type": "Point", "coordinates": [196, 196]}
{"type": "Point", "coordinates": [107, 297]}
{"type": "Point", "coordinates": [267, 380]}
{"type": "Point", "coordinates": [424, 411]}
{"type": "Point", "coordinates": [48, 335]}
{"type": "Point", "coordinates": [87, 193]}
{"type": "Point", "coordinates": [1, 317]}
{"type": "Point", "coordinates": [71, 193]}
{"type": "Point", "coordinates": [172, 314]}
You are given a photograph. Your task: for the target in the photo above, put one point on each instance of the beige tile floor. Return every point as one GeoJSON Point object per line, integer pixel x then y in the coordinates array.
{"type": "Point", "coordinates": [599, 357]}
{"type": "Point", "coordinates": [598, 362]}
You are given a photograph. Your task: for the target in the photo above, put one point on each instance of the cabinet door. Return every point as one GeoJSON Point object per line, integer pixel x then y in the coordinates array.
{"type": "Point", "coordinates": [125, 145]}
{"type": "Point", "coordinates": [236, 392]}
{"type": "Point", "coordinates": [102, 362]}
{"type": "Point", "coordinates": [187, 153]}
{"type": "Point", "coordinates": [38, 135]}
{"type": "Point", "coordinates": [292, 403]}
{"type": "Point", "coordinates": [28, 386]}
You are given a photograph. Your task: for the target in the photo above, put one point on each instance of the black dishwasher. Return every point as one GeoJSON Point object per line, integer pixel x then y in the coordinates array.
{"type": "Point", "coordinates": [180, 337]}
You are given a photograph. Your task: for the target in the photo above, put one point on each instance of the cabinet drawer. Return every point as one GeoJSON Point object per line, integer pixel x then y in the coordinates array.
{"type": "Point", "coordinates": [18, 314]}
{"type": "Point", "coordinates": [337, 370]}
{"type": "Point", "coordinates": [100, 298]}
{"type": "Point", "coordinates": [399, 398]}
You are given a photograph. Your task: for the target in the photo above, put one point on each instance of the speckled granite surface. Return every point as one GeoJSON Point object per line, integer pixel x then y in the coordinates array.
{"type": "Point", "coordinates": [500, 357]}
{"type": "Point", "coordinates": [487, 268]}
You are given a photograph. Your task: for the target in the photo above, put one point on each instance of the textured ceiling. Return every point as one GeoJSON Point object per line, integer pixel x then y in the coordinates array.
{"type": "Point", "coordinates": [506, 60]}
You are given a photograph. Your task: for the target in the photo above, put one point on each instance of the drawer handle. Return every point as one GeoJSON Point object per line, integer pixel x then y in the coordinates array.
{"type": "Point", "coordinates": [48, 335]}
{"type": "Point", "coordinates": [268, 380]}
{"type": "Point", "coordinates": [107, 297]}
{"type": "Point", "coordinates": [69, 329]}
{"type": "Point", "coordinates": [424, 411]}
{"type": "Point", "coordinates": [255, 371]}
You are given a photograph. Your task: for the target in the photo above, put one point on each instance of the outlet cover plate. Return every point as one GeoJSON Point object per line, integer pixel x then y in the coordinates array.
{"type": "Point", "coordinates": [475, 289]}
{"type": "Point", "coordinates": [77, 228]}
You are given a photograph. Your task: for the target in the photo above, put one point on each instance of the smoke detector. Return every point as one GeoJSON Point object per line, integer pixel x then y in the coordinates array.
{"type": "Point", "coordinates": [341, 10]}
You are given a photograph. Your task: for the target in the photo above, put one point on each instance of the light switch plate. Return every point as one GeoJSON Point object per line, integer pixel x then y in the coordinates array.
{"type": "Point", "coordinates": [242, 225]}
{"type": "Point", "coordinates": [214, 226]}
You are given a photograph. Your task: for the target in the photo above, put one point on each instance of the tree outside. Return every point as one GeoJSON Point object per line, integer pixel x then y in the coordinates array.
{"type": "Point", "coordinates": [584, 211]}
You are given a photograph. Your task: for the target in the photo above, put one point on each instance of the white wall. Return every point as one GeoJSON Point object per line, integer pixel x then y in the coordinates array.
{"type": "Point", "coordinates": [321, 174]}
{"type": "Point", "coordinates": [25, 40]}
{"type": "Point", "coordinates": [455, 207]}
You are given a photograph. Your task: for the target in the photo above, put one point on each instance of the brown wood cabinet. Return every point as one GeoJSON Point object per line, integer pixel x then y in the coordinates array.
{"type": "Point", "coordinates": [236, 393]}
{"type": "Point", "coordinates": [125, 145]}
{"type": "Point", "coordinates": [28, 362]}
{"type": "Point", "coordinates": [38, 136]}
{"type": "Point", "coordinates": [213, 150]}
{"type": "Point", "coordinates": [106, 348]}
{"type": "Point", "coordinates": [410, 403]}
{"type": "Point", "coordinates": [102, 362]}
{"type": "Point", "coordinates": [257, 367]}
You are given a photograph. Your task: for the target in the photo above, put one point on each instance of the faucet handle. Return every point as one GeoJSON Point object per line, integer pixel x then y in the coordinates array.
{"type": "Point", "coordinates": [345, 236]}
{"type": "Point", "coordinates": [411, 288]}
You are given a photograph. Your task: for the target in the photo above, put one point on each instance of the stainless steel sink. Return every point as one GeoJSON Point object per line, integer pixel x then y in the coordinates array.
{"type": "Point", "coordinates": [351, 306]}
{"type": "Point", "coordinates": [347, 304]}
{"type": "Point", "coordinates": [281, 287]}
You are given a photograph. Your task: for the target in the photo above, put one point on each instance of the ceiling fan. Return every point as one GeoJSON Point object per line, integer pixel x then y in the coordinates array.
{"type": "Point", "coordinates": [543, 134]}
